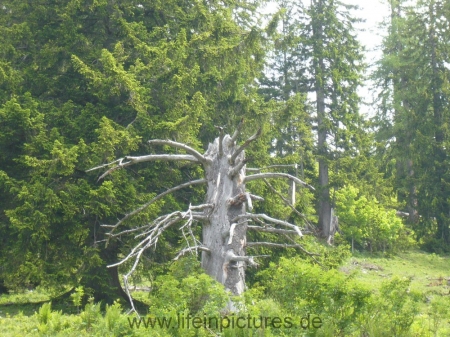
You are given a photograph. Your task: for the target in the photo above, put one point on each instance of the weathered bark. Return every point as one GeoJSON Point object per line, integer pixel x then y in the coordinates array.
{"type": "Point", "coordinates": [224, 238]}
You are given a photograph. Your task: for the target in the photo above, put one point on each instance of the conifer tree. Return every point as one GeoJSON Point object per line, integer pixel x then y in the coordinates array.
{"type": "Point", "coordinates": [317, 53]}
{"type": "Point", "coordinates": [84, 82]}
{"type": "Point", "coordinates": [415, 80]}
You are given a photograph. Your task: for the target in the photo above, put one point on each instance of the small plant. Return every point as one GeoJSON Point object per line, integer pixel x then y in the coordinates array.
{"type": "Point", "coordinates": [77, 297]}
{"type": "Point", "coordinates": [439, 311]}
{"type": "Point", "coordinates": [91, 314]}
{"type": "Point", "coordinates": [45, 312]}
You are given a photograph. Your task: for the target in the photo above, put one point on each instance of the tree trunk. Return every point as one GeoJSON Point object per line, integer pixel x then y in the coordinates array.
{"type": "Point", "coordinates": [115, 282]}
{"type": "Point", "coordinates": [324, 197]}
{"type": "Point", "coordinates": [224, 237]}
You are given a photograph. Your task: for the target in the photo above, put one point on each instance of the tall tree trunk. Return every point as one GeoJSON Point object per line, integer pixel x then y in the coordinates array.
{"type": "Point", "coordinates": [324, 190]}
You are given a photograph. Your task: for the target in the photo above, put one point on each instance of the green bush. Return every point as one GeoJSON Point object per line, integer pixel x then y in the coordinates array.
{"type": "Point", "coordinates": [344, 306]}
{"type": "Point", "coordinates": [368, 224]}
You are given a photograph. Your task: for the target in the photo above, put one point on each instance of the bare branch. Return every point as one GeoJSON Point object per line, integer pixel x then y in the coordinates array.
{"type": "Point", "coordinates": [288, 203]}
{"type": "Point", "coordinates": [221, 135]}
{"type": "Point", "coordinates": [243, 146]}
{"type": "Point", "coordinates": [198, 217]}
{"type": "Point", "coordinates": [164, 157]}
{"type": "Point", "coordinates": [161, 223]}
{"type": "Point", "coordinates": [271, 244]}
{"type": "Point", "coordinates": [140, 159]}
{"type": "Point", "coordinates": [231, 256]}
{"type": "Point", "coordinates": [256, 197]}
{"type": "Point", "coordinates": [268, 218]}
{"type": "Point", "coordinates": [276, 175]}
{"type": "Point", "coordinates": [104, 165]}
{"type": "Point", "coordinates": [127, 231]}
{"type": "Point", "coordinates": [402, 214]}
{"type": "Point", "coordinates": [271, 230]}
{"type": "Point", "coordinates": [120, 165]}
{"type": "Point", "coordinates": [237, 132]}
{"type": "Point", "coordinates": [312, 255]}
{"type": "Point", "coordinates": [202, 206]}
{"type": "Point", "coordinates": [190, 249]}
{"type": "Point", "coordinates": [185, 147]}
{"type": "Point", "coordinates": [159, 196]}
{"type": "Point", "coordinates": [249, 201]}
{"type": "Point", "coordinates": [256, 169]}
{"type": "Point", "coordinates": [235, 170]}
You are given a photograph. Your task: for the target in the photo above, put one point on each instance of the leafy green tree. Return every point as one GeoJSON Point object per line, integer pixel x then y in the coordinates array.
{"type": "Point", "coordinates": [367, 224]}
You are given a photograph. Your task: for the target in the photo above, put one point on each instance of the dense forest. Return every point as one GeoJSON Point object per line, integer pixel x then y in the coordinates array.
{"type": "Point", "coordinates": [84, 83]}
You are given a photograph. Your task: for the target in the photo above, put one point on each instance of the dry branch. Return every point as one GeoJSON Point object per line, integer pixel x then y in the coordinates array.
{"type": "Point", "coordinates": [156, 229]}
{"type": "Point", "coordinates": [159, 196]}
{"type": "Point", "coordinates": [245, 145]}
{"type": "Point", "coordinates": [237, 132]}
{"type": "Point", "coordinates": [230, 256]}
{"type": "Point", "coordinates": [277, 175]}
{"type": "Point", "coordinates": [235, 170]}
{"type": "Point", "coordinates": [288, 203]}
{"type": "Point", "coordinates": [141, 159]}
{"type": "Point", "coordinates": [269, 229]}
{"type": "Point", "coordinates": [256, 169]}
{"type": "Point", "coordinates": [190, 249]}
{"type": "Point", "coordinates": [268, 218]}
{"type": "Point", "coordinates": [185, 147]}
{"type": "Point", "coordinates": [221, 136]}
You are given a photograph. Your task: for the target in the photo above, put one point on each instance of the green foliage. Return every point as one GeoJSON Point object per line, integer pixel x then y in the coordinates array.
{"type": "Point", "coordinates": [367, 223]}
{"type": "Point", "coordinates": [186, 288]}
{"type": "Point", "coordinates": [77, 297]}
{"type": "Point", "coordinates": [413, 113]}
{"type": "Point", "coordinates": [90, 315]}
{"type": "Point", "coordinates": [345, 306]}
{"type": "Point", "coordinates": [438, 313]}
{"type": "Point", "coordinates": [50, 321]}
{"type": "Point", "coordinates": [289, 290]}
{"type": "Point", "coordinates": [84, 83]}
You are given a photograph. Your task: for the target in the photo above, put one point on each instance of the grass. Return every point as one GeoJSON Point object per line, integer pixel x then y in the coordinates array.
{"type": "Point", "coordinates": [428, 272]}
{"type": "Point", "coordinates": [29, 301]}
{"type": "Point", "coordinates": [429, 275]}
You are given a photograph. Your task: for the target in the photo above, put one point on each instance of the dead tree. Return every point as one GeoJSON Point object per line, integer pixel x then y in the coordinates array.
{"type": "Point", "coordinates": [223, 215]}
